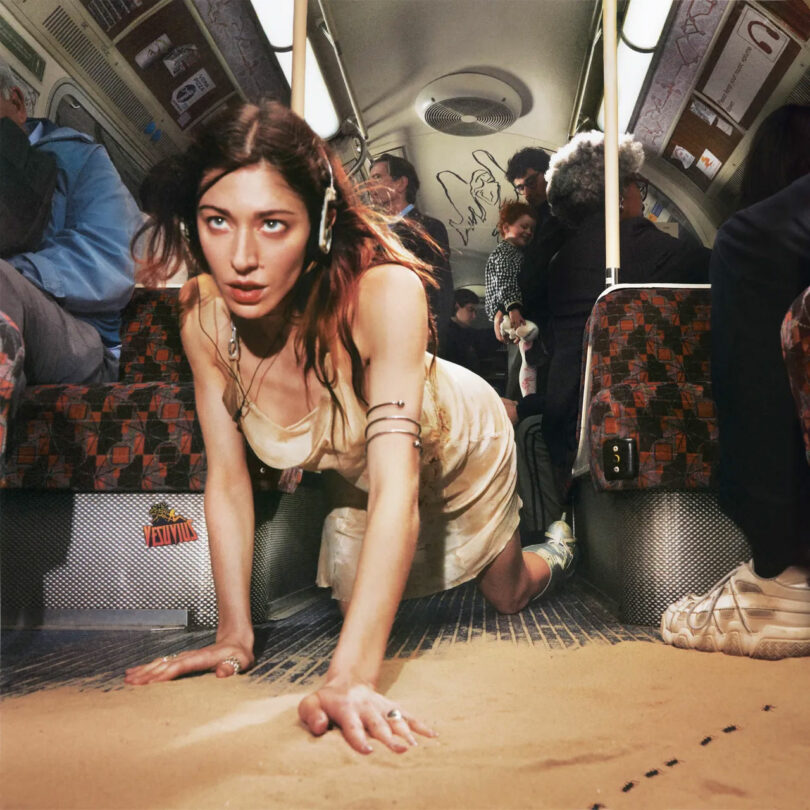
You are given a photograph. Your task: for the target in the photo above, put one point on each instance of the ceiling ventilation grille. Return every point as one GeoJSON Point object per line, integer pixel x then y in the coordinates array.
{"type": "Point", "coordinates": [59, 24]}
{"type": "Point", "coordinates": [468, 104]}
{"type": "Point", "coordinates": [469, 116]}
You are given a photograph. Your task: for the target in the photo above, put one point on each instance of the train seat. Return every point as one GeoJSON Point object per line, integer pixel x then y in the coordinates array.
{"type": "Point", "coordinates": [645, 508]}
{"type": "Point", "coordinates": [101, 505]}
{"type": "Point", "coordinates": [796, 350]}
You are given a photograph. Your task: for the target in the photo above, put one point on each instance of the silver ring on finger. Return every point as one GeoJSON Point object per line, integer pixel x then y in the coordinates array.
{"type": "Point", "coordinates": [167, 658]}
{"type": "Point", "coordinates": [233, 661]}
{"type": "Point", "coordinates": [394, 714]}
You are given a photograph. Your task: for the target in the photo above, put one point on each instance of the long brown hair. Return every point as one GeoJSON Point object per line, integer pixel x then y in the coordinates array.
{"type": "Point", "coordinates": [322, 300]}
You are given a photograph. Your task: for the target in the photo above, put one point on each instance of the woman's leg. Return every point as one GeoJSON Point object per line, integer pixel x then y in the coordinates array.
{"type": "Point", "coordinates": [514, 577]}
{"type": "Point", "coordinates": [518, 575]}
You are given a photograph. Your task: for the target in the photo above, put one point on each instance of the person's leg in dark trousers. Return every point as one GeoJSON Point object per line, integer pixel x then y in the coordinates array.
{"type": "Point", "coordinates": [763, 475]}
{"type": "Point", "coordinates": [56, 347]}
{"type": "Point", "coordinates": [541, 501]}
{"type": "Point", "coordinates": [513, 363]}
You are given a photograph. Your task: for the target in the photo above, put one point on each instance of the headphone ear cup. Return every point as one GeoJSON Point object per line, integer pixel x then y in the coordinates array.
{"type": "Point", "coordinates": [325, 227]}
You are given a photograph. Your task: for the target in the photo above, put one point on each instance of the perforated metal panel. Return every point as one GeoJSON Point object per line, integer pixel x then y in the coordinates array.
{"type": "Point", "coordinates": [287, 544]}
{"type": "Point", "coordinates": [647, 549]}
{"type": "Point", "coordinates": [63, 551]}
{"type": "Point", "coordinates": [87, 551]}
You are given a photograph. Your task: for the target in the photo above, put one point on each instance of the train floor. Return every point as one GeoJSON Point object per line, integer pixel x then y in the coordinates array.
{"type": "Point", "coordinates": [558, 706]}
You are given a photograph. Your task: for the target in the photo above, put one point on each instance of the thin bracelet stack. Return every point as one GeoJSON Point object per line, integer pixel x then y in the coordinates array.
{"type": "Point", "coordinates": [398, 403]}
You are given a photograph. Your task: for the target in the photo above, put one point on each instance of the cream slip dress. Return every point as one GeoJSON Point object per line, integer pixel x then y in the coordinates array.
{"type": "Point", "coordinates": [468, 504]}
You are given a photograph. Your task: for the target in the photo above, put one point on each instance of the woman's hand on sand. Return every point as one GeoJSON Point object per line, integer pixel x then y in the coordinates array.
{"type": "Point", "coordinates": [220, 657]}
{"type": "Point", "coordinates": [362, 714]}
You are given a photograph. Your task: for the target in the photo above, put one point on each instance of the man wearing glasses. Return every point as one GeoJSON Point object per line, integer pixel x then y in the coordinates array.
{"type": "Point", "coordinates": [526, 172]}
{"type": "Point", "coordinates": [541, 504]}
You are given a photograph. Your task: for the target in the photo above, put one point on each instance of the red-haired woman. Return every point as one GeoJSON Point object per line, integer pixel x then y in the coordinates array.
{"type": "Point", "coordinates": [306, 330]}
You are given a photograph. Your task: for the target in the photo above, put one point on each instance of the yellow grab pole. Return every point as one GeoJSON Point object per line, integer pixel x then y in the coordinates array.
{"type": "Point", "coordinates": [299, 57]}
{"type": "Point", "coordinates": [612, 190]}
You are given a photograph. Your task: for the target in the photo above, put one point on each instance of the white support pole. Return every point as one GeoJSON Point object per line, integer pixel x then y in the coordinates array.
{"type": "Point", "coordinates": [612, 190]}
{"type": "Point", "coordinates": [299, 57]}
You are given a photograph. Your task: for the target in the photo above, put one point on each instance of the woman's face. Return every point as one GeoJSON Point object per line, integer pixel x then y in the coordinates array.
{"type": "Point", "coordinates": [253, 232]}
{"type": "Point", "coordinates": [520, 232]}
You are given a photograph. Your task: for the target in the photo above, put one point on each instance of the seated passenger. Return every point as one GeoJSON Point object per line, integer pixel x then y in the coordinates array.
{"type": "Point", "coordinates": [576, 191]}
{"type": "Point", "coordinates": [393, 184]}
{"type": "Point", "coordinates": [503, 297]}
{"type": "Point", "coordinates": [60, 303]}
{"type": "Point", "coordinates": [306, 332]}
{"type": "Point", "coordinates": [760, 264]}
{"type": "Point", "coordinates": [460, 348]}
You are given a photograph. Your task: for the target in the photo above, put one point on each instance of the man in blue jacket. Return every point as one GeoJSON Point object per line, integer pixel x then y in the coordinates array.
{"type": "Point", "coordinates": [60, 304]}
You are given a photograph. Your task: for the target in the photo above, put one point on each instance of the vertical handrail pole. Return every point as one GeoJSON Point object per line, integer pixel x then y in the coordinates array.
{"type": "Point", "coordinates": [299, 57]}
{"type": "Point", "coordinates": [612, 191]}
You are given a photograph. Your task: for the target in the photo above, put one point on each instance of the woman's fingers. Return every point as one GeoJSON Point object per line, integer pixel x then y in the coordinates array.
{"type": "Point", "coordinates": [355, 734]}
{"type": "Point", "coordinates": [420, 728]}
{"type": "Point", "coordinates": [401, 728]}
{"type": "Point", "coordinates": [362, 716]}
{"type": "Point", "coordinates": [224, 663]}
{"type": "Point", "coordinates": [312, 715]}
{"type": "Point", "coordinates": [161, 669]}
{"type": "Point", "coordinates": [379, 727]}
{"type": "Point", "coordinates": [232, 665]}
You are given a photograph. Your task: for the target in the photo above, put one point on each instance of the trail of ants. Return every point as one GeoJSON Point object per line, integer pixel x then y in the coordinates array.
{"type": "Point", "coordinates": [671, 763]}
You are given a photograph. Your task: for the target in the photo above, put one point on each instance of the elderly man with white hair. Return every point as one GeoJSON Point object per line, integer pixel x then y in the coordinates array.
{"type": "Point", "coordinates": [61, 298]}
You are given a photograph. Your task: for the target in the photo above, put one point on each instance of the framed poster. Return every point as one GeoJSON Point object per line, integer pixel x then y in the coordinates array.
{"type": "Point", "coordinates": [751, 56]}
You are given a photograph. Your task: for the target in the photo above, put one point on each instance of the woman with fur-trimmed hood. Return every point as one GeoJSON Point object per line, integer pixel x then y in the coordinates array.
{"type": "Point", "coordinates": [576, 194]}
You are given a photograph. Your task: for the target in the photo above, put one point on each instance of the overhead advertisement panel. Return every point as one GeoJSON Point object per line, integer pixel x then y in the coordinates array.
{"type": "Point", "coordinates": [170, 53]}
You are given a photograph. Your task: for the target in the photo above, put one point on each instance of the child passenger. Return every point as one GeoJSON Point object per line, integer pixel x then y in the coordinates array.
{"type": "Point", "coordinates": [305, 328]}
{"type": "Point", "coordinates": [504, 302]}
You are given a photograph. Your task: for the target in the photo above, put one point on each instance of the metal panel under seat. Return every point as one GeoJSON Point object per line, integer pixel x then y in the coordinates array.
{"type": "Point", "coordinates": [644, 549]}
{"type": "Point", "coordinates": [95, 559]}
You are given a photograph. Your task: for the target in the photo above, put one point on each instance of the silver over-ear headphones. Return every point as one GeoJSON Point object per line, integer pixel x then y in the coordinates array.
{"type": "Point", "coordinates": [325, 228]}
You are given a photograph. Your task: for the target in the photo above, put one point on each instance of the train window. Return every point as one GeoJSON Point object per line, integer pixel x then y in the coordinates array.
{"type": "Point", "coordinates": [661, 210]}
{"type": "Point", "coordinates": [69, 108]}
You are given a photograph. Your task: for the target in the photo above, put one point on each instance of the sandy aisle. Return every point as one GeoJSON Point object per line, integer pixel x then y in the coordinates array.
{"type": "Point", "coordinates": [520, 727]}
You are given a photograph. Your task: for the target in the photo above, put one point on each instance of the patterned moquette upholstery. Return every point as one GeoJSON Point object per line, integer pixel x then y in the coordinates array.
{"type": "Point", "coordinates": [140, 433]}
{"type": "Point", "coordinates": [796, 350]}
{"type": "Point", "coordinates": [12, 355]}
{"type": "Point", "coordinates": [650, 380]}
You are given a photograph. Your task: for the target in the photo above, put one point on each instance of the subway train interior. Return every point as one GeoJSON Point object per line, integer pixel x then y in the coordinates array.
{"type": "Point", "coordinates": [104, 550]}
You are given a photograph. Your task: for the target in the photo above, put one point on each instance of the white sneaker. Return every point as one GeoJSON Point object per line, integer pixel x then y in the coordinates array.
{"type": "Point", "coordinates": [744, 614]}
{"type": "Point", "coordinates": [559, 552]}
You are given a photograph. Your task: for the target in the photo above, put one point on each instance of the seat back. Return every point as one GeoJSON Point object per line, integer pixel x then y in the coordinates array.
{"type": "Point", "coordinates": [649, 419]}
{"type": "Point", "coordinates": [796, 351]}
{"type": "Point", "coordinates": [151, 349]}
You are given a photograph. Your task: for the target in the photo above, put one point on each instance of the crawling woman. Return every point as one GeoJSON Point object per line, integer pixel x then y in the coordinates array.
{"type": "Point", "coordinates": [306, 329]}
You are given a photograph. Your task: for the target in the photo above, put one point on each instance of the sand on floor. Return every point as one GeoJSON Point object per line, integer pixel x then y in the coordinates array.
{"type": "Point", "coordinates": [635, 725]}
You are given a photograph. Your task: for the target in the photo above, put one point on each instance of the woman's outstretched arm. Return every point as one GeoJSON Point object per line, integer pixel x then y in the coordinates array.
{"type": "Point", "coordinates": [390, 330]}
{"type": "Point", "coordinates": [228, 503]}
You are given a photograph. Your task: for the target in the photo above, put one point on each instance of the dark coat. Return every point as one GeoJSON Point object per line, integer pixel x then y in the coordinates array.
{"type": "Point", "coordinates": [549, 237]}
{"type": "Point", "coordinates": [760, 264]}
{"type": "Point", "coordinates": [441, 299]}
{"type": "Point", "coordinates": [576, 278]}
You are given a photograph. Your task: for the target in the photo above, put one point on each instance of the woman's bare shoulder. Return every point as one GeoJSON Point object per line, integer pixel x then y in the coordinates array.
{"type": "Point", "coordinates": [391, 302]}
{"type": "Point", "coordinates": [204, 318]}
{"type": "Point", "coordinates": [389, 278]}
